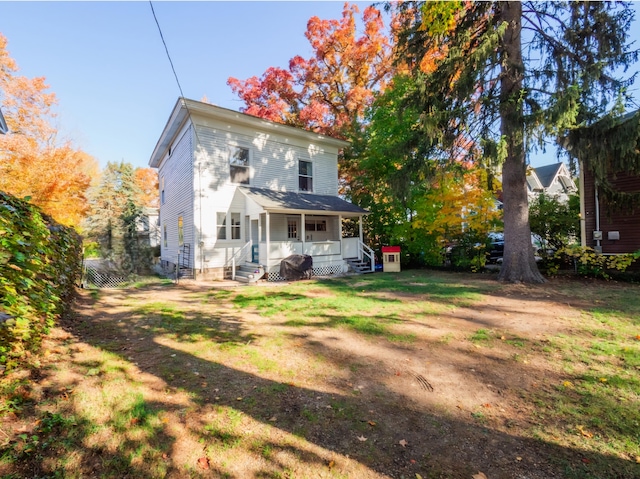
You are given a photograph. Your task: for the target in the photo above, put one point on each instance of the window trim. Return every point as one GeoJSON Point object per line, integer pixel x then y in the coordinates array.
{"type": "Point", "coordinates": [227, 228]}
{"type": "Point", "coordinates": [293, 228]}
{"type": "Point", "coordinates": [235, 228]}
{"type": "Point", "coordinates": [231, 147]}
{"type": "Point", "coordinates": [221, 228]}
{"type": "Point", "coordinates": [307, 176]}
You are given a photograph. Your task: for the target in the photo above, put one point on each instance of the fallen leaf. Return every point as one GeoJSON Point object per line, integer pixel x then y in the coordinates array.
{"type": "Point", "coordinates": [403, 443]}
{"type": "Point", "coordinates": [273, 419]}
{"type": "Point", "coordinates": [638, 459]}
{"type": "Point", "coordinates": [518, 458]}
{"type": "Point", "coordinates": [238, 399]}
{"type": "Point", "coordinates": [567, 384]}
{"type": "Point", "coordinates": [203, 463]}
{"type": "Point", "coordinates": [362, 438]}
{"type": "Point", "coordinates": [487, 405]}
{"type": "Point", "coordinates": [585, 460]}
{"type": "Point", "coordinates": [372, 423]}
{"type": "Point", "coordinates": [331, 464]}
{"type": "Point", "coordinates": [584, 432]}
{"type": "Point", "coordinates": [603, 380]}
{"type": "Point", "coordinates": [418, 476]}
{"type": "Point", "coordinates": [480, 475]}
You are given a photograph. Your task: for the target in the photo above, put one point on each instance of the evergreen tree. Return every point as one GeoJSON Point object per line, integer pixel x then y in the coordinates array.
{"type": "Point", "coordinates": [510, 97]}
{"type": "Point", "coordinates": [115, 213]}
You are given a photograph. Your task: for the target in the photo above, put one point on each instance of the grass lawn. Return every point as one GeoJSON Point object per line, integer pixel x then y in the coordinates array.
{"type": "Point", "coordinates": [418, 374]}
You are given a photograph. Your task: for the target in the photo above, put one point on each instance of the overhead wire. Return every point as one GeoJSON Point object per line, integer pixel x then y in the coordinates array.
{"type": "Point", "coordinates": [195, 132]}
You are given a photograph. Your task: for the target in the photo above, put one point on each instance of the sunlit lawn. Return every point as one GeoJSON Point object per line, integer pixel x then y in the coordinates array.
{"type": "Point", "coordinates": [250, 382]}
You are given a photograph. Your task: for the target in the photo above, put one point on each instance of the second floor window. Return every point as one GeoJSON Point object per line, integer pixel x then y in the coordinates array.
{"type": "Point", "coordinates": [305, 176]}
{"type": "Point", "coordinates": [239, 164]}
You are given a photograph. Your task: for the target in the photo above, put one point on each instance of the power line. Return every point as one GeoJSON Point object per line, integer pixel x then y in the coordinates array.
{"type": "Point", "coordinates": [166, 49]}
{"type": "Point", "coordinates": [195, 134]}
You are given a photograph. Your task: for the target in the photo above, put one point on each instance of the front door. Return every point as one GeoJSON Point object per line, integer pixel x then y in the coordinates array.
{"type": "Point", "coordinates": [255, 247]}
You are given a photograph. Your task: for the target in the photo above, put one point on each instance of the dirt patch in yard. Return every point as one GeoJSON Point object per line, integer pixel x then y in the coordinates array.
{"type": "Point", "coordinates": [206, 380]}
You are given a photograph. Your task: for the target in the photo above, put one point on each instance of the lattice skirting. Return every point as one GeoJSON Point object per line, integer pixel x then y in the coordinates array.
{"type": "Point", "coordinates": [328, 270]}
{"type": "Point", "coordinates": [93, 278]}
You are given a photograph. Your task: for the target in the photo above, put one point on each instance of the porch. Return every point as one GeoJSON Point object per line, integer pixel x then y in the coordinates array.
{"type": "Point", "coordinates": [280, 224]}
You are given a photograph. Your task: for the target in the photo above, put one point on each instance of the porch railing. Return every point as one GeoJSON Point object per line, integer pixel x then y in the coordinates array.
{"type": "Point", "coordinates": [368, 252]}
{"type": "Point", "coordinates": [238, 257]}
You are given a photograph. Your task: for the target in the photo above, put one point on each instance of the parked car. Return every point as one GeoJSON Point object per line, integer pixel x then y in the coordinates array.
{"type": "Point", "coordinates": [496, 248]}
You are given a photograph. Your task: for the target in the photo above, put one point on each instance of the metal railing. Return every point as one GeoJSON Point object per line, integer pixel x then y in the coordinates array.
{"type": "Point", "coordinates": [368, 252]}
{"type": "Point", "coordinates": [238, 257]}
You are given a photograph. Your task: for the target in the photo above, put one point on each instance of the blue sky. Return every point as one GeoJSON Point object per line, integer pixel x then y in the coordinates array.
{"type": "Point", "coordinates": [107, 65]}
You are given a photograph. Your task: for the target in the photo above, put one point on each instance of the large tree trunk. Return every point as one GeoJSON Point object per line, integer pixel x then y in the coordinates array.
{"type": "Point", "coordinates": [519, 263]}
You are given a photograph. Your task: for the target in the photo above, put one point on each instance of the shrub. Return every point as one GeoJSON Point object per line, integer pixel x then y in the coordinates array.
{"type": "Point", "coordinates": [40, 262]}
{"type": "Point", "coordinates": [590, 263]}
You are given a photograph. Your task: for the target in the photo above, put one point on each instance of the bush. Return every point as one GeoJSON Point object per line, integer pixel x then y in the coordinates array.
{"type": "Point", "coordinates": [40, 262]}
{"type": "Point", "coordinates": [590, 263]}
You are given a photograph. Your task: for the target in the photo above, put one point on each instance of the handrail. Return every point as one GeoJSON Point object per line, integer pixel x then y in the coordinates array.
{"type": "Point", "coordinates": [239, 256]}
{"type": "Point", "coordinates": [366, 251]}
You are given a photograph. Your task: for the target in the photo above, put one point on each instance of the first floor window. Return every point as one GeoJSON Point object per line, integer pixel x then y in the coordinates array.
{"type": "Point", "coordinates": [180, 231]}
{"type": "Point", "coordinates": [315, 225]}
{"type": "Point", "coordinates": [222, 225]}
{"type": "Point", "coordinates": [164, 234]}
{"type": "Point", "coordinates": [305, 176]}
{"type": "Point", "coordinates": [235, 226]}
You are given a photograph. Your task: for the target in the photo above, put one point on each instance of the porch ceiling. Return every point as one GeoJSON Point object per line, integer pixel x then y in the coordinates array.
{"type": "Point", "coordinates": [289, 202]}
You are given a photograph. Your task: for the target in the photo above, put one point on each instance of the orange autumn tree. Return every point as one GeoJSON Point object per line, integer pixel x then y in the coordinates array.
{"type": "Point", "coordinates": [32, 164]}
{"type": "Point", "coordinates": [147, 181]}
{"type": "Point", "coordinates": [329, 92]}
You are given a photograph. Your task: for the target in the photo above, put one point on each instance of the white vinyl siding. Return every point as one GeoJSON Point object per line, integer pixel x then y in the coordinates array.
{"type": "Point", "coordinates": [177, 173]}
{"type": "Point", "coordinates": [273, 160]}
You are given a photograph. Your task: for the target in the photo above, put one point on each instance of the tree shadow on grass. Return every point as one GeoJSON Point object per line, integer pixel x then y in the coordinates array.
{"type": "Point", "coordinates": [379, 428]}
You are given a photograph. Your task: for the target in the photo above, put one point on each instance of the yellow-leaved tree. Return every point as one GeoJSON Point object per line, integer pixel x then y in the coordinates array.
{"type": "Point", "coordinates": [54, 176]}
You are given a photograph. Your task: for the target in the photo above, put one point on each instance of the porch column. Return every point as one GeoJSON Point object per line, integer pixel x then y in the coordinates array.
{"type": "Point", "coordinates": [340, 233]}
{"type": "Point", "coordinates": [303, 233]}
{"type": "Point", "coordinates": [360, 228]}
{"type": "Point", "coordinates": [267, 236]}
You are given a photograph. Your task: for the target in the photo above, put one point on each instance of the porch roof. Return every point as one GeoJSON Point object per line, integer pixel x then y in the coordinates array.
{"type": "Point", "coordinates": [290, 202]}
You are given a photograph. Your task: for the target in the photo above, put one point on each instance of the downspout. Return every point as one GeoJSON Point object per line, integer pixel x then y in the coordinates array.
{"type": "Point", "coordinates": [583, 217]}
{"type": "Point", "coordinates": [598, 247]}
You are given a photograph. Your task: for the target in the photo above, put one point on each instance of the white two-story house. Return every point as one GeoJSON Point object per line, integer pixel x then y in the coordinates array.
{"type": "Point", "coordinates": [236, 190]}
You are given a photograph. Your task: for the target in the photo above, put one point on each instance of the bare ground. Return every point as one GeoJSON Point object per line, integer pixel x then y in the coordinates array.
{"type": "Point", "coordinates": [320, 401]}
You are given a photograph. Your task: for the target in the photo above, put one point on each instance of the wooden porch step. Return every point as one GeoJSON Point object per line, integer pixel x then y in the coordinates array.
{"type": "Point", "coordinates": [358, 266]}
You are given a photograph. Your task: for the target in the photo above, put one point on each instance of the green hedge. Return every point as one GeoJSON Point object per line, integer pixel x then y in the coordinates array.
{"type": "Point", "coordinates": [40, 262]}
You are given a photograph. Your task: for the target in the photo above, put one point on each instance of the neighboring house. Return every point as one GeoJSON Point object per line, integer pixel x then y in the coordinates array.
{"type": "Point", "coordinates": [3, 125]}
{"type": "Point", "coordinates": [237, 189]}
{"type": "Point", "coordinates": [606, 229]}
{"type": "Point", "coordinates": [148, 226]}
{"type": "Point", "coordinates": [552, 180]}
{"type": "Point", "coordinates": [609, 182]}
